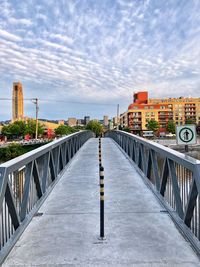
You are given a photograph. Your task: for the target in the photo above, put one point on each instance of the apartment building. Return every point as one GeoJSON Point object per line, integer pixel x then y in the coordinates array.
{"type": "Point", "coordinates": [180, 110]}
{"type": "Point", "coordinates": [183, 108]}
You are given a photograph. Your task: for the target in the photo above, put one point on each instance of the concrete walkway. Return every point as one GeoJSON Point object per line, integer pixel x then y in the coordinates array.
{"type": "Point", "coordinates": [138, 232]}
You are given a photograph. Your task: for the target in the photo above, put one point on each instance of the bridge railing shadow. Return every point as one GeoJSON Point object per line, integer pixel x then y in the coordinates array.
{"type": "Point", "coordinates": [174, 178]}
{"type": "Point", "coordinates": [25, 182]}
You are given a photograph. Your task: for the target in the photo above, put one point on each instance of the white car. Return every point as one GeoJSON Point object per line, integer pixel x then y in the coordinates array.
{"type": "Point", "coordinates": [170, 135]}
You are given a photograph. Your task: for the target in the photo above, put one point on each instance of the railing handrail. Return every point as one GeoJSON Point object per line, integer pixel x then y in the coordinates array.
{"type": "Point", "coordinates": [25, 182]}
{"type": "Point", "coordinates": [173, 177]}
{"type": "Point", "coordinates": [31, 155]}
{"type": "Point", "coordinates": [170, 153]}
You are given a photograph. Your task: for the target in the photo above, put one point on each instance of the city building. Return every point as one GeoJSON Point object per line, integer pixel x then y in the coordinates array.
{"type": "Point", "coordinates": [105, 121]}
{"type": "Point", "coordinates": [86, 119]}
{"type": "Point", "coordinates": [80, 122]}
{"type": "Point", "coordinates": [184, 108]}
{"type": "Point", "coordinates": [61, 122]}
{"type": "Point", "coordinates": [124, 119]}
{"type": "Point", "coordinates": [115, 122]}
{"type": "Point", "coordinates": [17, 102]}
{"type": "Point", "coordinates": [72, 121]}
{"type": "Point", "coordinates": [110, 125]}
{"type": "Point", "coordinates": [180, 110]}
{"type": "Point", "coordinates": [48, 124]}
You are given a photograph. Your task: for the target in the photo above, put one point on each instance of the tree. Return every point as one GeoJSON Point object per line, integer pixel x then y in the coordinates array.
{"type": "Point", "coordinates": [190, 121]}
{"type": "Point", "coordinates": [152, 125]}
{"type": "Point", "coordinates": [64, 129]}
{"type": "Point", "coordinates": [15, 129]}
{"type": "Point", "coordinates": [22, 127]}
{"type": "Point", "coordinates": [95, 127]}
{"type": "Point", "coordinates": [171, 126]}
{"type": "Point", "coordinates": [126, 129]}
{"type": "Point", "coordinates": [6, 131]}
{"type": "Point", "coordinates": [10, 152]}
{"type": "Point", "coordinates": [31, 126]}
{"type": "Point", "coordinates": [79, 127]}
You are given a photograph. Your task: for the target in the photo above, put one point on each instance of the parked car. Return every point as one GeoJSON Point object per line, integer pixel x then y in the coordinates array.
{"type": "Point", "coordinates": [170, 135]}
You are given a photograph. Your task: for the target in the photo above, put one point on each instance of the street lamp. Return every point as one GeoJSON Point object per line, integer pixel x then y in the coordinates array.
{"type": "Point", "coordinates": [117, 116]}
{"type": "Point", "coordinates": [35, 101]}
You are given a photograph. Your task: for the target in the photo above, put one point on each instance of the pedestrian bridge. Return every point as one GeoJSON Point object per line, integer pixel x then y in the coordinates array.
{"type": "Point", "coordinates": [49, 201]}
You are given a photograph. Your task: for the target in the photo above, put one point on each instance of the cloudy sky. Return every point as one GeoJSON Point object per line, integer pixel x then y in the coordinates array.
{"type": "Point", "coordinates": [83, 57]}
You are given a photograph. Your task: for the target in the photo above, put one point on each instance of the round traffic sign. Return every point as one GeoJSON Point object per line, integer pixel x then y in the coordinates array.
{"type": "Point", "coordinates": [186, 134]}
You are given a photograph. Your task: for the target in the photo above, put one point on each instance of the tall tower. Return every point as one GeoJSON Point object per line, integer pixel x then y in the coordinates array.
{"type": "Point", "coordinates": [17, 102]}
{"type": "Point", "coordinates": [105, 120]}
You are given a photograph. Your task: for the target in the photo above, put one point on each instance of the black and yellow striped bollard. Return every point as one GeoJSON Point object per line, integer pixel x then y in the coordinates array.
{"type": "Point", "coordinates": [102, 234]}
{"type": "Point", "coordinates": [100, 163]}
{"type": "Point", "coordinates": [99, 143]}
{"type": "Point", "coordinates": [100, 159]}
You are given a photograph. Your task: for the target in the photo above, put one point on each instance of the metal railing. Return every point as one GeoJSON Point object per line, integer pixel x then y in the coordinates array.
{"type": "Point", "coordinates": [175, 176]}
{"type": "Point", "coordinates": [26, 180]}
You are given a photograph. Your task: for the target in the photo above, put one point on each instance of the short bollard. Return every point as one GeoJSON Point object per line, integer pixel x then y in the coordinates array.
{"type": "Point", "coordinates": [99, 153]}
{"type": "Point", "coordinates": [99, 170]}
{"type": "Point", "coordinates": [102, 234]}
{"type": "Point", "coordinates": [99, 144]}
{"type": "Point", "coordinates": [100, 158]}
{"type": "Point", "coordinates": [100, 165]}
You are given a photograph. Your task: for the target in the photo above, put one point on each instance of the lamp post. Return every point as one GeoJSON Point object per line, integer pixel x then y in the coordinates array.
{"type": "Point", "coordinates": [117, 116]}
{"type": "Point", "coordinates": [35, 101]}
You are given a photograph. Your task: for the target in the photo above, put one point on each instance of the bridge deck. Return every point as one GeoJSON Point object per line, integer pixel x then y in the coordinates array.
{"type": "Point", "coordinates": [138, 232]}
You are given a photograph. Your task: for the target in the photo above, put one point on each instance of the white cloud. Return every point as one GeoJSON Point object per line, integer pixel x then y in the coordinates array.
{"type": "Point", "coordinates": [62, 38]}
{"type": "Point", "coordinates": [41, 16]}
{"type": "Point", "coordinates": [101, 51]}
{"type": "Point", "coordinates": [9, 36]}
{"type": "Point", "coordinates": [23, 22]}
{"type": "Point", "coordinates": [6, 9]}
